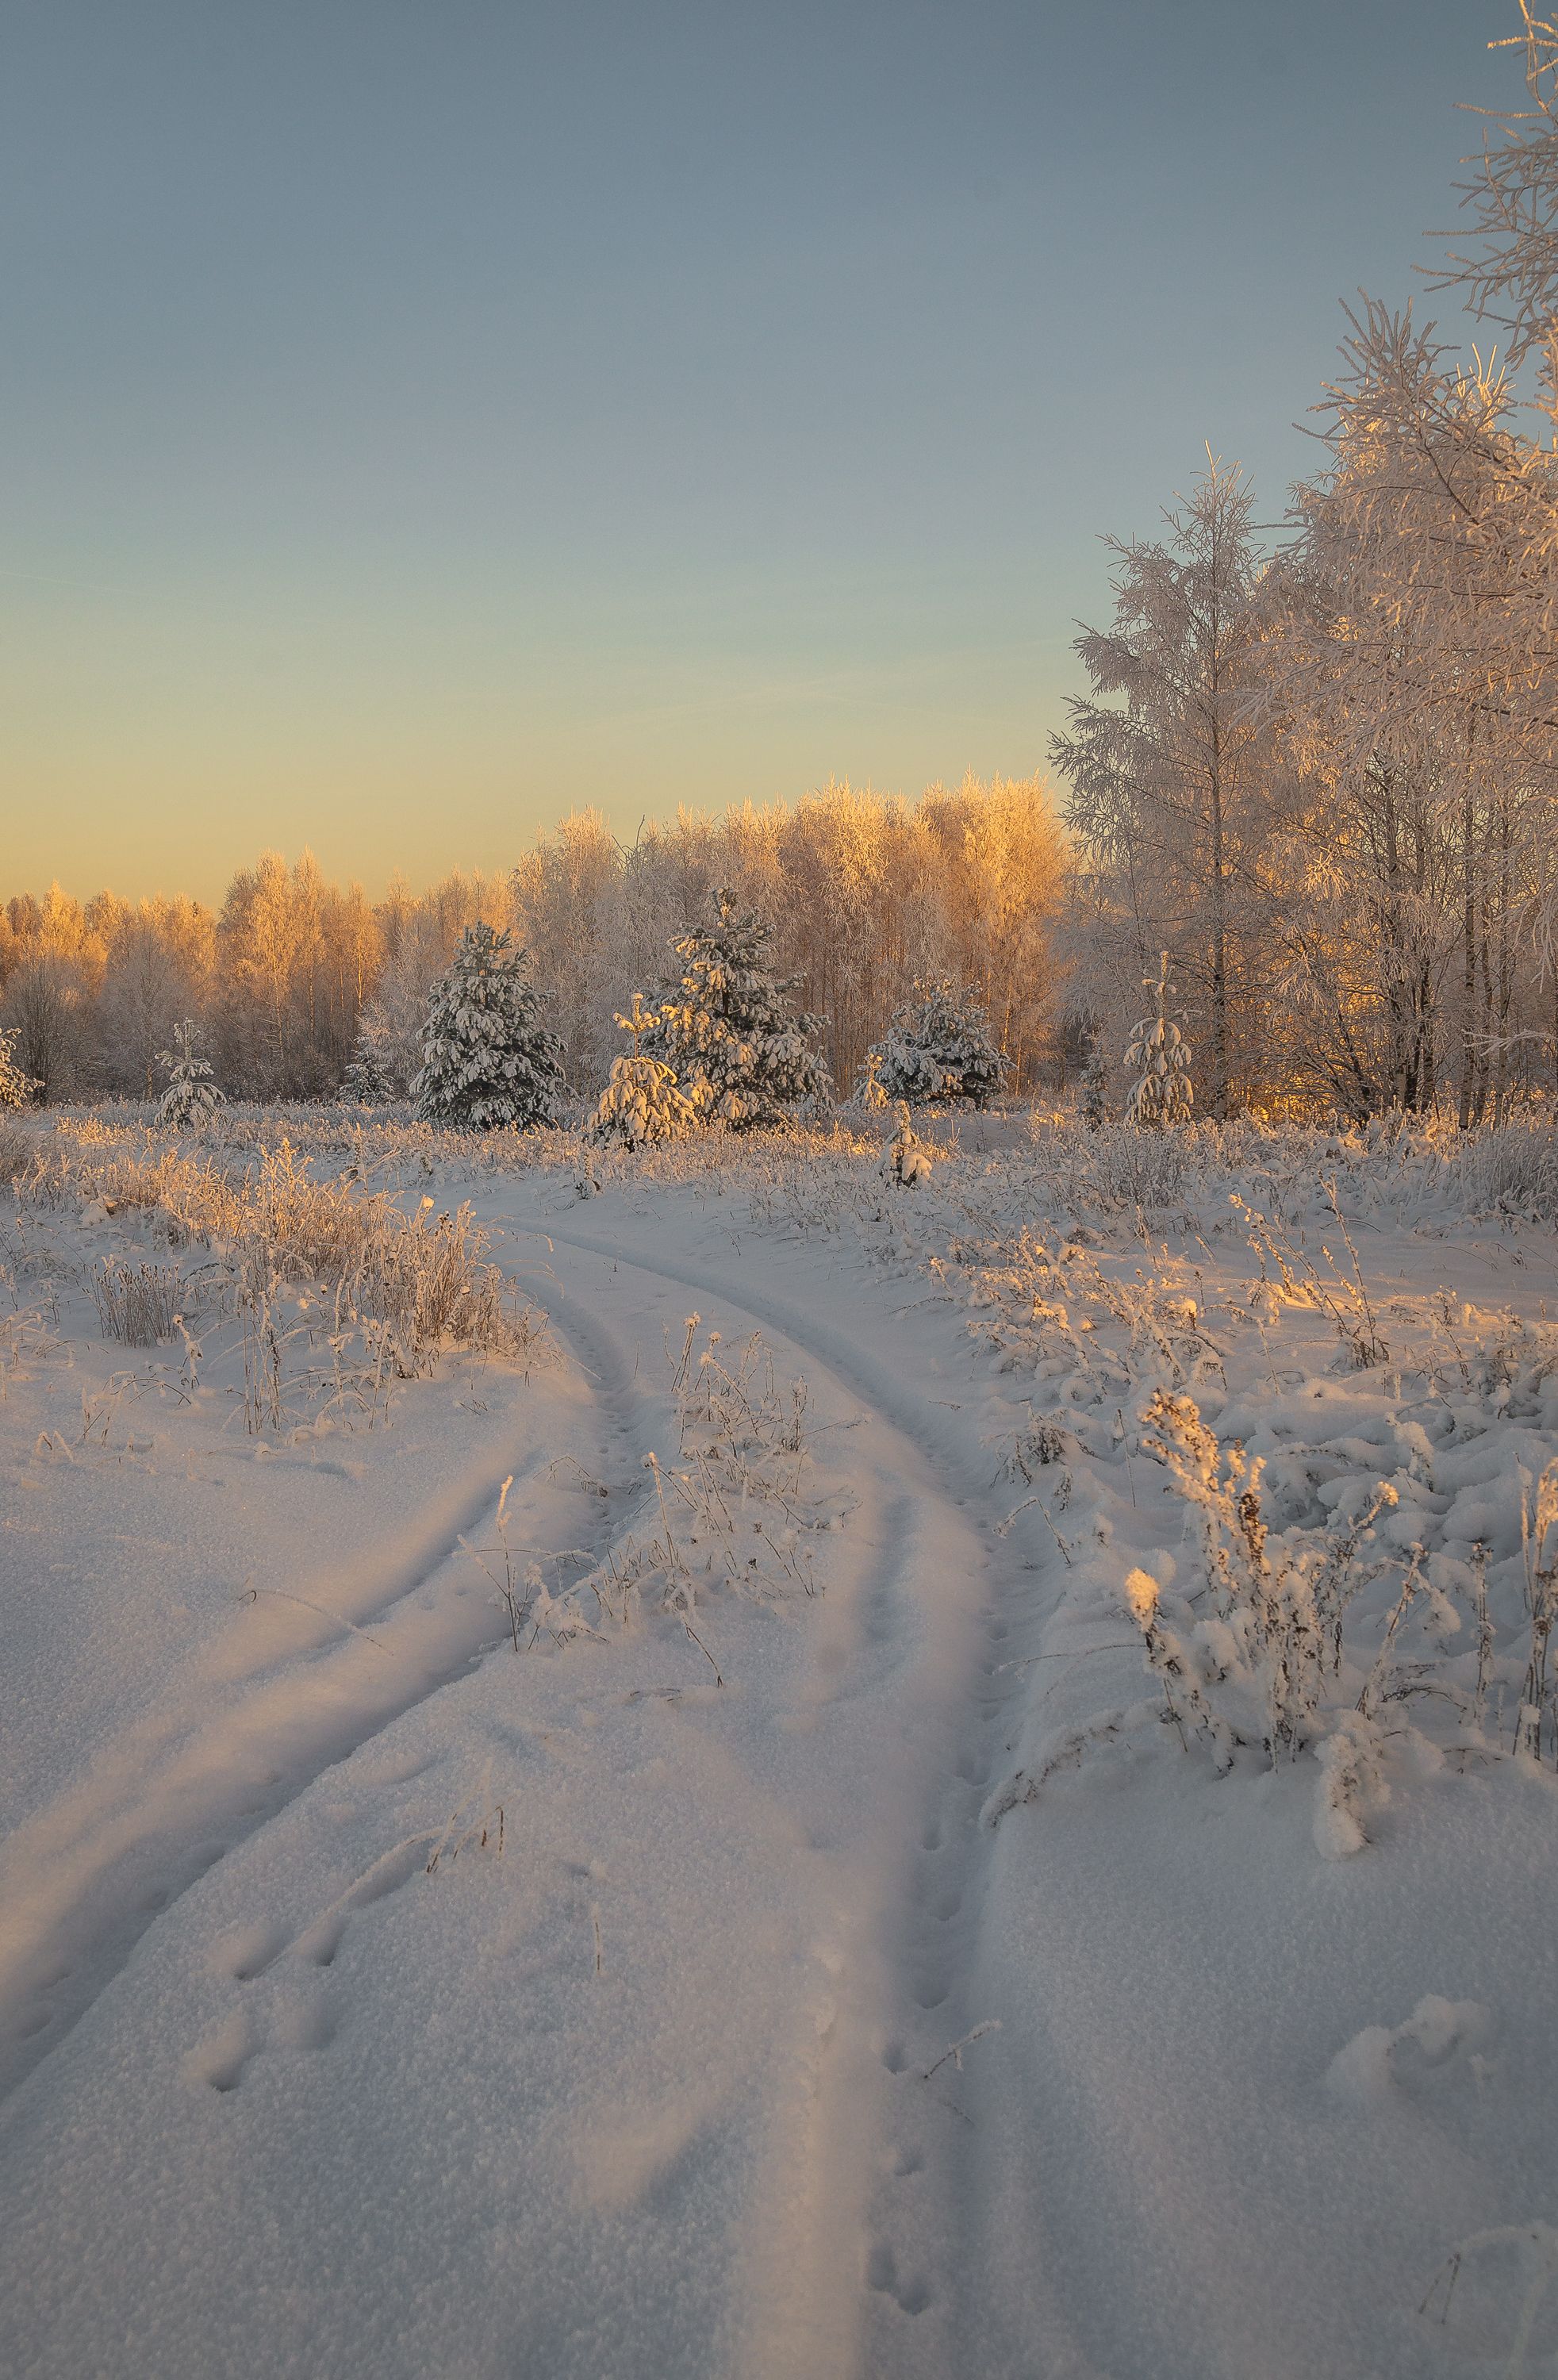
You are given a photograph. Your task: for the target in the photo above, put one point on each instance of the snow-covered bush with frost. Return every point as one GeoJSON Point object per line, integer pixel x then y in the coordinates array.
{"type": "Point", "coordinates": [487, 1059]}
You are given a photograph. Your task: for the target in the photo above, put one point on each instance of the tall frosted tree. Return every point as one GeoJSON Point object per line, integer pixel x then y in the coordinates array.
{"type": "Point", "coordinates": [1175, 777]}
{"type": "Point", "coordinates": [487, 1059]}
{"type": "Point", "coordinates": [728, 1028]}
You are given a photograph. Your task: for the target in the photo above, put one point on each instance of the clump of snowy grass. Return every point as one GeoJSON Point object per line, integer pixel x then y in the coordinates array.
{"type": "Point", "coordinates": [1341, 1295]}
{"type": "Point", "coordinates": [418, 1281]}
{"type": "Point", "coordinates": [137, 1304]}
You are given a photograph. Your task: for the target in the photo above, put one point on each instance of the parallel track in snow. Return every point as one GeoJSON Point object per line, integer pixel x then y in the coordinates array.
{"type": "Point", "coordinates": [86, 1877]}
{"type": "Point", "coordinates": [913, 2310]}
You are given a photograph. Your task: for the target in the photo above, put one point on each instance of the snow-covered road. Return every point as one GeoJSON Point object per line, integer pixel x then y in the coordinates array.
{"type": "Point", "coordinates": [765, 2044]}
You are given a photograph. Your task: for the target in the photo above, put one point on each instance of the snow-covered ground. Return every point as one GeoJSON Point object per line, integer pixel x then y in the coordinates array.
{"type": "Point", "coordinates": [792, 1931]}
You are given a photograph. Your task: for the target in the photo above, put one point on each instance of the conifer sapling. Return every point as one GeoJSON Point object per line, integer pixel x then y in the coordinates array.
{"type": "Point", "coordinates": [1161, 1094]}
{"type": "Point", "coordinates": [641, 1101]}
{"type": "Point", "coordinates": [191, 1095]}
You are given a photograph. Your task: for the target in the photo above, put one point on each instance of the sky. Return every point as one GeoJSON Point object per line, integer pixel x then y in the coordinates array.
{"type": "Point", "coordinates": [421, 418]}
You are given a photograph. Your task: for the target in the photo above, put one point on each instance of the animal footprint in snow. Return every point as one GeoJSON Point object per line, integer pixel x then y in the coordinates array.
{"type": "Point", "coordinates": [302, 2021]}
{"type": "Point", "coordinates": [1437, 2042]}
{"type": "Point", "coordinates": [221, 2057]}
{"type": "Point", "coordinates": [245, 1951]}
{"type": "Point", "coordinates": [882, 2274]}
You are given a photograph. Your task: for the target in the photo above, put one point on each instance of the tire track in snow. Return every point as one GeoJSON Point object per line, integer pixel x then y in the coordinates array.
{"type": "Point", "coordinates": [911, 1988]}
{"type": "Point", "coordinates": [85, 1877]}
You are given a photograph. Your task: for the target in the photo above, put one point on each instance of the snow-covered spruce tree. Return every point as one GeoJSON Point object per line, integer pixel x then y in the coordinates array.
{"type": "Point", "coordinates": [938, 1049]}
{"type": "Point", "coordinates": [487, 1059]}
{"type": "Point", "coordinates": [729, 1030]}
{"type": "Point", "coordinates": [1163, 1092]}
{"type": "Point", "coordinates": [641, 1101]}
{"type": "Point", "coordinates": [191, 1094]}
{"type": "Point", "coordinates": [17, 1089]}
{"type": "Point", "coordinates": [368, 1079]}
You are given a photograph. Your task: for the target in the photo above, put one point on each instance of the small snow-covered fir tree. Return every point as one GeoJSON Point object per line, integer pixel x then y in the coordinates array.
{"type": "Point", "coordinates": [939, 1049]}
{"type": "Point", "coordinates": [906, 1158]}
{"type": "Point", "coordinates": [1162, 1091]}
{"type": "Point", "coordinates": [487, 1059]}
{"type": "Point", "coordinates": [17, 1089]}
{"type": "Point", "coordinates": [641, 1101]}
{"type": "Point", "coordinates": [191, 1094]}
{"type": "Point", "coordinates": [727, 1029]}
{"type": "Point", "coordinates": [869, 1093]}
{"type": "Point", "coordinates": [368, 1079]}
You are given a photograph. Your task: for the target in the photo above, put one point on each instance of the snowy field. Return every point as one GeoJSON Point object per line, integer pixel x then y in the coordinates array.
{"type": "Point", "coordinates": [815, 1779]}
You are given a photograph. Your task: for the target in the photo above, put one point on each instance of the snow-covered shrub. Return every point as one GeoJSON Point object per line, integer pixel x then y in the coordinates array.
{"type": "Point", "coordinates": [191, 1095]}
{"type": "Point", "coordinates": [939, 1049]}
{"type": "Point", "coordinates": [729, 1030]}
{"type": "Point", "coordinates": [642, 1102]}
{"type": "Point", "coordinates": [1162, 1093]}
{"type": "Point", "coordinates": [1272, 1635]}
{"type": "Point", "coordinates": [487, 1059]}
{"type": "Point", "coordinates": [17, 1089]}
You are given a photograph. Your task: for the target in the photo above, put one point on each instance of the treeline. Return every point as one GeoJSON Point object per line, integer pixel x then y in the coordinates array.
{"type": "Point", "coordinates": [1323, 776]}
{"type": "Point", "coordinates": [293, 976]}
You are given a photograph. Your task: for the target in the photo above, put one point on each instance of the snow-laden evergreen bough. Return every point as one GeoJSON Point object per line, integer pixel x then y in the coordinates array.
{"type": "Point", "coordinates": [191, 1097]}
{"type": "Point", "coordinates": [938, 1049]}
{"type": "Point", "coordinates": [643, 1102]}
{"type": "Point", "coordinates": [728, 1029]}
{"type": "Point", "coordinates": [487, 1060]}
{"type": "Point", "coordinates": [1162, 1093]}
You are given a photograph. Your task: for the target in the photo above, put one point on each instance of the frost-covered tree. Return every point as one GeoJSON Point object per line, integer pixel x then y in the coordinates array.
{"type": "Point", "coordinates": [1162, 1093]}
{"type": "Point", "coordinates": [939, 1049]}
{"type": "Point", "coordinates": [191, 1094]}
{"type": "Point", "coordinates": [728, 1029]}
{"type": "Point", "coordinates": [642, 1102]}
{"type": "Point", "coordinates": [487, 1059]}
{"type": "Point", "coordinates": [18, 1088]}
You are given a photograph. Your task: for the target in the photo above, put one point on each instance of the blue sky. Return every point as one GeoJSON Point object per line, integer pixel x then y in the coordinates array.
{"type": "Point", "coordinates": [421, 420]}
